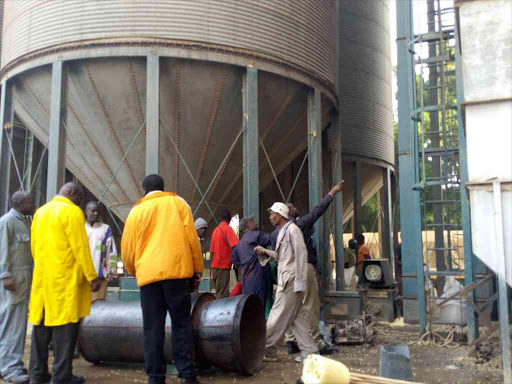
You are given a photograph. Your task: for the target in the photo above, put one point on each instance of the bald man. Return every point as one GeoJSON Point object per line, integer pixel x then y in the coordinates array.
{"type": "Point", "coordinates": [64, 276]}
{"type": "Point", "coordinates": [15, 279]}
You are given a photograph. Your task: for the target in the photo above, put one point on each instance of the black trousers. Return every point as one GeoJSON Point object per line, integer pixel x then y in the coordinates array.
{"type": "Point", "coordinates": [64, 338]}
{"type": "Point", "coordinates": [157, 299]}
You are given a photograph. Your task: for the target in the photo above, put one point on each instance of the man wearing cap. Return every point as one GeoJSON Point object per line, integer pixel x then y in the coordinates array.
{"type": "Point", "coordinates": [255, 277]}
{"type": "Point", "coordinates": [201, 228]}
{"type": "Point", "coordinates": [312, 299]}
{"type": "Point", "coordinates": [288, 312]}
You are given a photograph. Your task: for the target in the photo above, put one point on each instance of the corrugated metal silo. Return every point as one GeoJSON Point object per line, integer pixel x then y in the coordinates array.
{"type": "Point", "coordinates": [204, 47]}
{"type": "Point", "coordinates": [365, 93]}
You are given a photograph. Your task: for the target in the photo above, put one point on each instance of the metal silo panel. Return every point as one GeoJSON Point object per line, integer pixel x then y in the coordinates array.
{"type": "Point", "coordinates": [1, 23]}
{"type": "Point", "coordinates": [299, 33]}
{"type": "Point", "coordinates": [365, 92]}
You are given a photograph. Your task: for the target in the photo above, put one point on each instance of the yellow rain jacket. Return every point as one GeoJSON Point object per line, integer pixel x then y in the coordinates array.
{"type": "Point", "coordinates": [160, 241]}
{"type": "Point", "coordinates": [63, 265]}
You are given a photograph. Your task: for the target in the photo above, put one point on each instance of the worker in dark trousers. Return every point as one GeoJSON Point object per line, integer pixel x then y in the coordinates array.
{"type": "Point", "coordinates": [161, 248]}
{"type": "Point", "coordinates": [312, 298]}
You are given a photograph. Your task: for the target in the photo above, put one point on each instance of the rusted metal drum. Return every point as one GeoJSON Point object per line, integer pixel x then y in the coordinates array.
{"type": "Point", "coordinates": [229, 333]}
{"type": "Point", "coordinates": [114, 332]}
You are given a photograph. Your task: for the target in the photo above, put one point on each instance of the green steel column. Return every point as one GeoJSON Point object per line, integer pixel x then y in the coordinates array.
{"type": "Point", "coordinates": [57, 139]}
{"type": "Point", "coordinates": [338, 204]}
{"type": "Point", "coordinates": [357, 198]}
{"type": "Point", "coordinates": [469, 258]}
{"type": "Point", "coordinates": [29, 160]}
{"type": "Point", "coordinates": [410, 208]}
{"type": "Point", "coordinates": [6, 118]}
{"type": "Point", "coordinates": [152, 114]}
{"type": "Point", "coordinates": [251, 144]}
{"type": "Point", "coordinates": [315, 170]}
{"type": "Point", "coordinates": [387, 222]}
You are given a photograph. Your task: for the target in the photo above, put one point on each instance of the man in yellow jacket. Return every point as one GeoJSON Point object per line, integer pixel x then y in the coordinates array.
{"type": "Point", "coordinates": [161, 248]}
{"type": "Point", "coordinates": [61, 289]}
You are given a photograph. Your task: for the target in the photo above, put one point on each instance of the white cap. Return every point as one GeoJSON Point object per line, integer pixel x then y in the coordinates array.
{"type": "Point", "coordinates": [281, 209]}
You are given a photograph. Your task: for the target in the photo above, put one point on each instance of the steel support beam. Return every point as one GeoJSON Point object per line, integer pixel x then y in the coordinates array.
{"type": "Point", "coordinates": [387, 217]}
{"type": "Point", "coordinates": [315, 172]}
{"type": "Point", "coordinates": [410, 208]}
{"type": "Point", "coordinates": [502, 284]}
{"type": "Point", "coordinates": [469, 258]}
{"type": "Point", "coordinates": [337, 150]}
{"type": "Point", "coordinates": [357, 198]}
{"type": "Point", "coordinates": [6, 128]}
{"type": "Point", "coordinates": [251, 144]}
{"type": "Point", "coordinates": [337, 162]}
{"type": "Point", "coordinates": [29, 161]}
{"type": "Point", "coordinates": [152, 114]}
{"type": "Point", "coordinates": [57, 139]}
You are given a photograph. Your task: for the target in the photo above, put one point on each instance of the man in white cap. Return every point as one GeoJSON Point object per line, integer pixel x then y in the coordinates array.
{"type": "Point", "coordinates": [288, 312]}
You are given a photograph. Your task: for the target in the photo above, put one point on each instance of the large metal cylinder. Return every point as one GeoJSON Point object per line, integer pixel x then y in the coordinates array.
{"type": "Point", "coordinates": [229, 333]}
{"type": "Point", "coordinates": [204, 48]}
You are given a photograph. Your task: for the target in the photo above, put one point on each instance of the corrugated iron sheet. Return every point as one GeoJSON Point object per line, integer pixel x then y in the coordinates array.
{"type": "Point", "coordinates": [1, 23]}
{"type": "Point", "coordinates": [294, 31]}
{"type": "Point", "coordinates": [365, 92]}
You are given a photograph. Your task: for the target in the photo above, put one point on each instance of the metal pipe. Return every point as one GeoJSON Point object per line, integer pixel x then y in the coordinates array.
{"type": "Point", "coordinates": [228, 333]}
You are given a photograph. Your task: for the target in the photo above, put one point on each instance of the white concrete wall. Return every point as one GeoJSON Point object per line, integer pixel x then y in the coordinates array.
{"type": "Point", "coordinates": [489, 141]}
{"type": "Point", "coordinates": [486, 35]}
{"type": "Point", "coordinates": [486, 30]}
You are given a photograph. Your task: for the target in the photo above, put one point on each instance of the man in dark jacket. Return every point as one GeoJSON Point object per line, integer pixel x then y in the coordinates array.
{"type": "Point", "coordinates": [311, 299]}
{"type": "Point", "coordinates": [255, 278]}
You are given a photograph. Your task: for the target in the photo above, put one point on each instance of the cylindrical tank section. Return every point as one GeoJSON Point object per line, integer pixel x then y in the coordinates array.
{"type": "Point", "coordinates": [204, 48]}
{"type": "Point", "coordinates": [1, 23]}
{"type": "Point", "coordinates": [229, 333]}
{"type": "Point", "coordinates": [365, 94]}
{"type": "Point", "coordinates": [296, 35]}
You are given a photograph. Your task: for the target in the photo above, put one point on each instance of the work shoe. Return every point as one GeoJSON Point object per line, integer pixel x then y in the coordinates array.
{"type": "Point", "coordinates": [189, 381]}
{"type": "Point", "coordinates": [20, 379]}
{"type": "Point", "coordinates": [326, 351]}
{"type": "Point", "coordinates": [75, 380]}
{"type": "Point", "coordinates": [301, 358]}
{"type": "Point", "coordinates": [270, 358]}
{"type": "Point", "coordinates": [293, 348]}
{"type": "Point", "coordinates": [46, 380]}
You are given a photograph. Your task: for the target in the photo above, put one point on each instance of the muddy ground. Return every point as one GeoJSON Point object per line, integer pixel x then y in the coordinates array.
{"type": "Point", "coordinates": [431, 364]}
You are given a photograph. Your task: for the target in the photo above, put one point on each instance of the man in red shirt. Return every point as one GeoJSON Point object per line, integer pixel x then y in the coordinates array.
{"type": "Point", "coordinates": [222, 242]}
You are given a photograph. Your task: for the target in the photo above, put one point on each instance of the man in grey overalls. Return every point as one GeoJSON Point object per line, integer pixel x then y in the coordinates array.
{"type": "Point", "coordinates": [16, 267]}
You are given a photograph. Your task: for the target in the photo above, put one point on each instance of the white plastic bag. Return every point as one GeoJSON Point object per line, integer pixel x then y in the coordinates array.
{"type": "Point", "coordinates": [351, 279]}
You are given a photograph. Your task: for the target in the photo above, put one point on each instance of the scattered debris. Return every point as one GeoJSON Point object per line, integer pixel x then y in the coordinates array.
{"type": "Point", "coordinates": [359, 331]}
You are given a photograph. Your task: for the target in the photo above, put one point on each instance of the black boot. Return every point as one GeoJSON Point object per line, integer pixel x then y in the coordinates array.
{"type": "Point", "coordinates": [293, 348]}
{"type": "Point", "coordinates": [326, 351]}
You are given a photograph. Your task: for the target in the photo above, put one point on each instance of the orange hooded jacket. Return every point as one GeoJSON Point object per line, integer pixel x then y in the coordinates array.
{"type": "Point", "coordinates": [160, 241]}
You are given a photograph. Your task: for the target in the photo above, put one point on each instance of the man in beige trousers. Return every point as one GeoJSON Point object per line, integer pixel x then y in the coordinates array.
{"type": "Point", "coordinates": [288, 312]}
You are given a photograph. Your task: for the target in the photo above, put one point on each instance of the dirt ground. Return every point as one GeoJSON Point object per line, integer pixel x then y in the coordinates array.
{"type": "Point", "coordinates": [431, 364]}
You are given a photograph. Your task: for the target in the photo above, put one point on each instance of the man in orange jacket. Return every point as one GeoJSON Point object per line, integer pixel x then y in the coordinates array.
{"type": "Point", "coordinates": [161, 248]}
